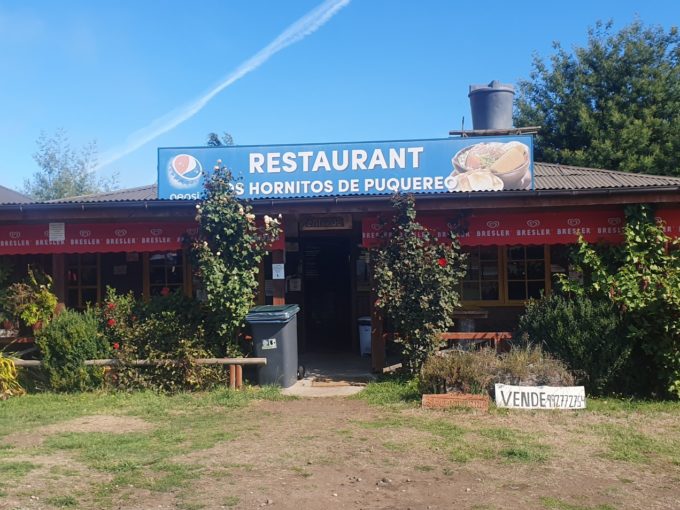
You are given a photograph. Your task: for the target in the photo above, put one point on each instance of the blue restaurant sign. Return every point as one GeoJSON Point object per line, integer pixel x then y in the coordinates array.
{"type": "Point", "coordinates": [447, 165]}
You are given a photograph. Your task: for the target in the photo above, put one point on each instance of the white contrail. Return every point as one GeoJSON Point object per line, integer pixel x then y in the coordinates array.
{"type": "Point", "coordinates": [303, 27]}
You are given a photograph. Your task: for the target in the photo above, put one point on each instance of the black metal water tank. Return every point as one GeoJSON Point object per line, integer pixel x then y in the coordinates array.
{"type": "Point", "coordinates": [491, 105]}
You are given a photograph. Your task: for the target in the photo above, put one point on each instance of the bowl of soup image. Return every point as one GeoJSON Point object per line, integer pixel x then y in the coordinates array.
{"type": "Point", "coordinates": [508, 161]}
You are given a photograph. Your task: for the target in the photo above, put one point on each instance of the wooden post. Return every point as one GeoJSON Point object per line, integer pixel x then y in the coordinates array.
{"type": "Point", "coordinates": [146, 277]}
{"type": "Point", "coordinates": [279, 297]}
{"type": "Point", "coordinates": [232, 377]}
{"type": "Point", "coordinates": [239, 377]}
{"type": "Point", "coordinates": [377, 334]}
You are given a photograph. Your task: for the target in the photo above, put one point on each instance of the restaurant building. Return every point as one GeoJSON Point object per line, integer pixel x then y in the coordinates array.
{"type": "Point", "coordinates": [515, 217]}
{"type": "Point", "coordinates": [132, 240]}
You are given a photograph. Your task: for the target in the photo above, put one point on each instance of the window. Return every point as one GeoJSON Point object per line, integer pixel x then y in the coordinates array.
{"type": "Point", "coordinates": [82, 279]}
{"type": "Point", "coordinates": [525, 272]}
{"type": "Point", "coordinates": [482, 280]}
{"type": "Point", "coordinates": [165, 270]}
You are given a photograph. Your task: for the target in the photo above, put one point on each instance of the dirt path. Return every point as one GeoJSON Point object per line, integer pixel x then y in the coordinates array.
{"type": "Point", "coordinates": [321, 454]}
{"type": "Point", "coordinates": [342, 453]}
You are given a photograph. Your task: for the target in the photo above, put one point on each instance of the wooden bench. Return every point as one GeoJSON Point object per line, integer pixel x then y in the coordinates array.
{"type": "Point", "coordinates": [495, 338]}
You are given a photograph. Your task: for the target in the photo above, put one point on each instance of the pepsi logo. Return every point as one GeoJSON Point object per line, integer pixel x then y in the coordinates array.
{"type": "Point", "coordinates": [15, 235]}
{"type": "Point", "coordinates": [85, 233]}
{"type": "Point", "coordinates": [120, 232]}
{"type": "Point", "coordinates": [450, 226]}
{"type": "Point", "coordinates": [533, 223]}
{"type": "Point", "coordinates": [614, 221]}
{"type": "Point", "coordinates": [184, 170]}
{"type": "Point", "coordinates": [493, 224]}
{"type": "Point", "coordinates": [375, 226]}
{"type": "Point", "coordinates": [156, 231]}
{"type": "Point", "coordinates": [574, 222]}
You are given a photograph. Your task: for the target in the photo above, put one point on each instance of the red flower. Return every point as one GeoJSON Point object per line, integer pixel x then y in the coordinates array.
{"type": "Point", "coordinates": [442, 262]}
{"type": "Point", "coordinates": [165, 291]}
{"type": "Point", "coordinates": [111, 322]}
{"type": "Point", "coordinates": [111, 306]}
{"type": "Point", "coordinates": [116, 346]}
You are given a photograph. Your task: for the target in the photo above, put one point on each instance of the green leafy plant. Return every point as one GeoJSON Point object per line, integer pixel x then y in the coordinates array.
{"type": "Point", "coordinates": [227, 252]}
{"type": "Point", "coordinates": [162, 335]}
{"type": "Point", "coordinates": [168, 329]}
{"type": "Point", "coordinates": [416, 282]}
{"type": "Point", "coordinates": [9, 381]}
{"type": "Point", "coordinates": [587, 334]}
{"type": "Point", "coordinates": [641, 278]}
{"type": "Point", "coordinates": [65, 343]}
{"type": "Point", "coordinates": [116, 316]}
{"type": "Point", "coordinates": [32, 300]}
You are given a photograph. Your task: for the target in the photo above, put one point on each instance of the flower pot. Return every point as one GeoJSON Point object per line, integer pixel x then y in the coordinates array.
{"type": "Point", "coordinates": [446, 400]}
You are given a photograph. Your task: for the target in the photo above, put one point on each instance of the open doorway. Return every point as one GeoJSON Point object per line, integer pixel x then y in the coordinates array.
{"type": "Point", "coordinates": [327, 294]}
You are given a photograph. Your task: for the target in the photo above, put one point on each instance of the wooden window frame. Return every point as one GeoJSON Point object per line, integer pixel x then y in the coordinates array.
{"type": "Point", "coordinates": [185, 285]}
{"type": "Point", "coordinates": [546, 276]}
{"type": "Point", "coordinates": [489, 302]}
{"type": "Point", "coordinates": [79, 286]}
{"type": "Point", "coordinates": [503, 282]}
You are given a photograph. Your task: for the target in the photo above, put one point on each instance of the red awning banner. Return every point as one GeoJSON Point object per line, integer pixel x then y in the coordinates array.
{"type": "Point", "coordinates": [525, 228]}
{"type": "Point", "coordinates": [99, 238]}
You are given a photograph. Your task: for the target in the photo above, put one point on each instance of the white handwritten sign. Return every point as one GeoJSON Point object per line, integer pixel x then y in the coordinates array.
{"type": "Point", "coordinates": [540, 397]}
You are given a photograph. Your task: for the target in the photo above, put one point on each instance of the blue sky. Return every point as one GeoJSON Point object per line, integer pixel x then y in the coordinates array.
{"type": "Point", "coordinates": [377, 70]}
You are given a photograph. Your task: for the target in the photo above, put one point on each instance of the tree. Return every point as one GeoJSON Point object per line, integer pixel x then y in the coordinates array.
{"type": "Point", "coordinates": [214, 140]}
{"type": "Point", "coordinates": [65, 172]}
{"type": "Point", "coordinates": [614, 103]}
{"type": "Point", "coordinates": [417, 280]}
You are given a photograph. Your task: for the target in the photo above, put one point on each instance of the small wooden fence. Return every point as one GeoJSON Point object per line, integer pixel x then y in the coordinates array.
{"type": "Point", "coordinates": [235, 365]}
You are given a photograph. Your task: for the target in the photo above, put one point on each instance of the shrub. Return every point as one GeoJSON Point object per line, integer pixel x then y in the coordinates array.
{"type": "Point", "coordinates": [641, 277]}
{"type": "Point", "coordinates": [9, 382]}
{"type": "Point", "coordinates": [116, 316]}
{"type": "Point", "coordinates": [531, 366]}
{"type": "Point", "coordinates": [32, 300]}
{"type": "Point", "coordinates": [66, 342]}
{"type": "Point", "coordinates": [167, 328]}
{"type": "Point", "coordinates": [417, 279]}
{"type": "Point", "coordinates": [461, 371]}
{"type": "Point", "coordinates": [585, 334]}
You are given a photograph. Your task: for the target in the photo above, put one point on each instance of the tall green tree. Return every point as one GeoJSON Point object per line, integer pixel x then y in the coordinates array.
{"type": "Point", "coordinates": [614, 103]}
{"type": "Point", "coordinates": [64, 171]}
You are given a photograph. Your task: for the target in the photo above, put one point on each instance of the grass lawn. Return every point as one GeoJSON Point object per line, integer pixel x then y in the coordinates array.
{"type": "Point", "coordinates": [256, 448]}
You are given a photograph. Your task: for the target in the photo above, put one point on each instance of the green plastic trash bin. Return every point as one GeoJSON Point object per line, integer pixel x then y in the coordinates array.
{"type": "Point", "coordinates": [274, 331]}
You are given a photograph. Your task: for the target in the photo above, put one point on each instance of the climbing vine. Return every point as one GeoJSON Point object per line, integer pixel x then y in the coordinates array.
{"type": "Point", "coordinates": [416, 280]}
{"type": "Point", "coordinates": [228, 252]}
